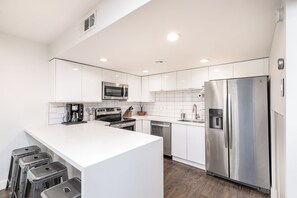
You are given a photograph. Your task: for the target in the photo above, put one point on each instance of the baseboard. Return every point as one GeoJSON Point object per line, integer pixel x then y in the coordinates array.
{"type": "Point", "coordinates": [3, 184]}
{"type": "Point", "coordinates": [200, 166]}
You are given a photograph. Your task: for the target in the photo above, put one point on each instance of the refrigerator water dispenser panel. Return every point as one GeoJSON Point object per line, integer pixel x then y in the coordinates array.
{"type": "Point", "coordinates": [216, 118]}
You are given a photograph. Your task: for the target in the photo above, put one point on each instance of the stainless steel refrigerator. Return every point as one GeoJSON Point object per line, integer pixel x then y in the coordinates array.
{"type": "Point", "coordinates": [237, 130]}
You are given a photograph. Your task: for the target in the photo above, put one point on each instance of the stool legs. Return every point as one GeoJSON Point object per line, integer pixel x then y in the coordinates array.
{"type": "Point", "coordinates": [9, 173]}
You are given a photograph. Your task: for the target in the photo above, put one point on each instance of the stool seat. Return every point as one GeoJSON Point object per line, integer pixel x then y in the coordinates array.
{"type": "Point", "coordinates": [68, 189]}
{"type": "Point", "coordinates": [31, 160]}
{"type": "Point", "coordinates": [26, 163]}
{"type": "Point", "coordinates": [42, 172]}
{"type": "Point", "coordinates": [43, 177]}
{"type": "Point", "coordinates": [21, 152]}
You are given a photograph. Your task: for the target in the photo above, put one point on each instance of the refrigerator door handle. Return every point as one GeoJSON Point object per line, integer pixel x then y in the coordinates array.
{"type": "Point", "coordinates": [225, 128]}
{"type": "Point", "coordinates": [230, 121]}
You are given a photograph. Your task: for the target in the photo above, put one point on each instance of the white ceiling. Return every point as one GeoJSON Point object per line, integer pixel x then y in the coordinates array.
{"type": "Point", "coordinates": [41, 20]}
{"type": "Point", "coordinates": [221, 31]}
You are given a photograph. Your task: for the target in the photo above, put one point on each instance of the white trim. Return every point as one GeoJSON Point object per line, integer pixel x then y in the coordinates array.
{"type": "Point", "coordinates": [197, 165]}
{"type": "Point", "coordinates": [3, 184]}
{"type": "Point", "coordinates": [273, 193]}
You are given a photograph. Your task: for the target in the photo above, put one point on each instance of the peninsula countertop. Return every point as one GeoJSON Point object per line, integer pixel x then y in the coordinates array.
{"type": "Point", "coordinates": [84, 145]}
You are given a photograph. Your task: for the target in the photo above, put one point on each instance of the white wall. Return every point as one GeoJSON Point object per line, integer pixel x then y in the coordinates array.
{"type": "Point", "coordinates": [291, 98]}
{"type": "Point", "coordinates": [24, 94]}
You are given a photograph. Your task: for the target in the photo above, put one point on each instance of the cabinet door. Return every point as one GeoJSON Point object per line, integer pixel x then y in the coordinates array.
{"type": "Point", "coordinates": [184, 80]}
{"type": "Point", "coordinates": [146, 95]}
{"type": "Point", "coordinates": [91, 84]}
{"type": "Point", "coordinates": [52, 81]}
{"type": "Point", "coordinates": [251, 68]}
{"type": "Point", "coordinates": [121, 78]}
{"type": "Point", "coordinates": [168, 81]}
{"type": "Point", "coordinates": [139, 126]}
{"type": "Point", "coordinates": [221, 72]}
{"type": "Point", "coordinates": [196, 144]}
{"type": "Point", "coordinates": [199, 76]}
{"type": "Point", "coordinates": [68, 81]}
{"type": "Point", "coordinates": [179, 141]}
{"type": "Point", "coordinates": [108, 76]}
{"type": "Point", "coordinates": [146, 126]}
{"type": "Point", "coordinates": [155, 83]}
{"type": "Point", "coordinates": [134, 83]}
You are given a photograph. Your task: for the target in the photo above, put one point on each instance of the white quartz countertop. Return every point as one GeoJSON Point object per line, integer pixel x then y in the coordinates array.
{"type": "Point", "coordinates": [84, 145]}
{"type": "Point", "coordinates": [167, 119]}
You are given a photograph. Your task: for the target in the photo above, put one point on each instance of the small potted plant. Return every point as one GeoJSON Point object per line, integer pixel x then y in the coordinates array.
{"type": "Point", "coordinates": [141, 112]}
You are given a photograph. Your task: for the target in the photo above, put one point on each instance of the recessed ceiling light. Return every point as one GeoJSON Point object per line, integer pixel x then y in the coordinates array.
{"type": "Point", "coordinates": [104, 60]}
{"type": "Point", "coordinates": [172, 37]}
{"type": "Point", "coordinates": [145, 71]}
{"type": "Point", "coordinates": [75, 69]}
{"type": "Point", "coordinates": [204, 60]}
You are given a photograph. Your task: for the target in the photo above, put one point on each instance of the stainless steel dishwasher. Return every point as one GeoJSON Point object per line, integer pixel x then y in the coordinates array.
{"type": "Point", "coordinates": [163, 129]}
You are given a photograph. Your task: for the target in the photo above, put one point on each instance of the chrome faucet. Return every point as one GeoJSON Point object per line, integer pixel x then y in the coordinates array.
{"type": "Point", "coordinates": [194, 110]}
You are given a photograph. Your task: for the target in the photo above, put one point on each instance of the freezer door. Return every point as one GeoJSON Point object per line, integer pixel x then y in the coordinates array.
{"type": "Point", "coordinates": [248, 131]}
{"type": "Point", "coordinates": [216, 137]}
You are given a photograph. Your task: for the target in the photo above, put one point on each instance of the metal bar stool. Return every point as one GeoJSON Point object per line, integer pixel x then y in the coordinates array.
{"type": "Point", "coordinates": [26, 163]}
{"type": "Point", "coordinates": [14, 163]}
{"type": "Point", "coordinates": [44, 177]}
{"type": "Point", "coordinates": [68, 189]}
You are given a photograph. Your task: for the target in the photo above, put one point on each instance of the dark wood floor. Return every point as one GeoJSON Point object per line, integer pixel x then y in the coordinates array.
{"type": "Point", "coordinates": [182, 181]}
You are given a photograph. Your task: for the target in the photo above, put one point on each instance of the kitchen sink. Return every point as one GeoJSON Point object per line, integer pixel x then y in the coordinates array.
{"type": "Point", "coordinates": [194, 121]}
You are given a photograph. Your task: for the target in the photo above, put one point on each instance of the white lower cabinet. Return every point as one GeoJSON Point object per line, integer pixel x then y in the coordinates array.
{"type": "Point", "coordinates": [138, 126]}
{"type": "Point", "coordinates": [196, 144]}
{"type": "Point", "coordinates": [188, 144]}
{"type": "Point", "coordinates": [146, 126]}
{"type": "Point", "coordinates": [179, 141]}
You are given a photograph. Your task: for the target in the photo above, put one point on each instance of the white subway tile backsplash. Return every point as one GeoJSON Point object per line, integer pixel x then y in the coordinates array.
{"type": "Point", "coordinates": [169, 104]}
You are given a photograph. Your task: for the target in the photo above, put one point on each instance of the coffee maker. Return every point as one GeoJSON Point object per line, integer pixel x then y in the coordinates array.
{"type": "Point", "coordinates": [74, 113]}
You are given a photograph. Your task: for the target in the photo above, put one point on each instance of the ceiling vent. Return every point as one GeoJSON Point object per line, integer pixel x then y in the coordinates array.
{"type": "Point", "coordinates": [89, 22]}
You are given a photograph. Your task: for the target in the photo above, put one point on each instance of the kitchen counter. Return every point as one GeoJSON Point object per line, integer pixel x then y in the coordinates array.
{"type": "Point", "coordinates": [166, 119]}
{"type": "Point", "coordinates": [107, 157]}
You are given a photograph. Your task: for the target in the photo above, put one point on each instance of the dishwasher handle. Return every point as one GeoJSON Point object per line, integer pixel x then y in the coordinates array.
{"type": "Point", "coordinates": [161, 125]}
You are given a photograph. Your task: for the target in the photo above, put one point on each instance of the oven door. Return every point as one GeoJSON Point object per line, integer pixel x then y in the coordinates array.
{"type": "Point", "coordinates": [114, 91]}
{"type": "Point", "coordinates": [130, 126]}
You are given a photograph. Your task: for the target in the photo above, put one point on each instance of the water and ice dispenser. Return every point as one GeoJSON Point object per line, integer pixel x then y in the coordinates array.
{"type": "Point", "coordinates": [216, 118]}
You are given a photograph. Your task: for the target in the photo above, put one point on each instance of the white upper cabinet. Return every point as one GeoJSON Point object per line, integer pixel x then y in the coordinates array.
{"type": "Point", "coordinates": [155, 83]}
{"type": "Point", "coordinates": [221, 72]}
{"type": "Point", "coordinates": [108, 76]}
{"type": "Point", "coordinates": [146, 95]}
{"type": "Point", "coordinates": [67, 81]}
{"type": "Point", "coordinates": [168, 81]}
{"type": "Point", "coordinates": [120, 78]}
{"type": "Point", "coordinates": [199, 76]}
{"type": "Point", "coordinates": [114, 77]}
{"type": "Point", "coordinates": [91, 84]}
{"type": "Point", "coordinates": [184, 80]}
{"type": "Point", "coordinates": [134, 83]}
{"type": "Point", "coordinates": [251, 68]}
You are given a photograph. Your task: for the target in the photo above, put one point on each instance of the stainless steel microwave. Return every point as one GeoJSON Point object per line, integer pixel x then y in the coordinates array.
{"type": "Point", "coordinates": [114, 91]}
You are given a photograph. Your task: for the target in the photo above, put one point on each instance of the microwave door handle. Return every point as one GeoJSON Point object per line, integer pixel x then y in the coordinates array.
{"type": "Point", "coordinates": [124, 87]}
{"type": "Point", "coordinates": [125, 90]}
